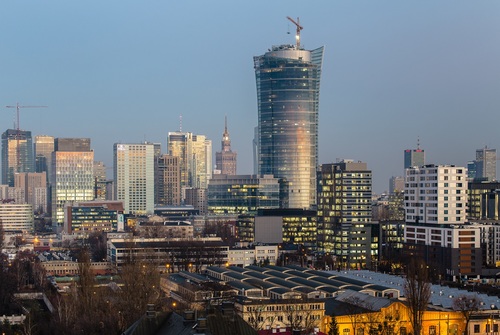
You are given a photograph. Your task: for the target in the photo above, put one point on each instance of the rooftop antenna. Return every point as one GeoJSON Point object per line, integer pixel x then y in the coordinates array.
{"type": "Point", "coordinates": [225, 123]}
{"type": "Point", "coordinates": [418, 142]}
{"type": "Point", "coordinates": [180, 123]}
{"type": "Point", "coordinates": [299, 28]}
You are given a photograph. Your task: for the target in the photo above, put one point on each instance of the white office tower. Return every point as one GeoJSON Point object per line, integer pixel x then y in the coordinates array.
{"type": "Point", "coordinates": [134, 177]}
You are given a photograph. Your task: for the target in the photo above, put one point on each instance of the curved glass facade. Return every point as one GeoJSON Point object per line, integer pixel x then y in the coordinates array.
{"type": "Point", "coordinates": [288, 82]}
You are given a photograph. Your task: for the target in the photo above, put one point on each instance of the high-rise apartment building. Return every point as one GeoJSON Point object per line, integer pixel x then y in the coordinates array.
{"type": "Point", "coordinates": [414, 157]}
{"type": "Point", "coordinates": [168, 180]}
{"type": "Point", "coordinates": [195, 157]}
{"type": "Point", "coordinates": [486, 164]}
{"type": "Point", "coordinates": [17, 154]}
{"type": "Point", "coordinates": [72, 174]}
{"type": "Point", "coordinates": [225, 160]}
{"type": "Point", "coordinates": [436, 194]}
{"type": "Point", "coordinates": [44, 146]}
{"type": "Point", "coordinates": [345, 211]}
{"type": "Point", "coordinates": [436, 221]}
{"type": "Point", "coordinates": [288, 83]}
{"type": "Point", "coordinates": [134, 177]}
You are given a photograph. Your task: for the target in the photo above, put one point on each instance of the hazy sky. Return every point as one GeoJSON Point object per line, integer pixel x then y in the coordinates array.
{"type": "Point", "coordinates": [123, 71]}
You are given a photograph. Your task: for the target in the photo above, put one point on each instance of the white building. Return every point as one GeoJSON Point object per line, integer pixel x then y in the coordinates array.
{"type": "Point", "coordinates": [436, 227]}
{"type": "Point", "coordinates": [134, 176]}
{"type": "Point", "coordinates": [251, 255]}
{"type": "Point", "coordinates": [436, 194]}
{"type": "Point", "coordinates": [16, 217]}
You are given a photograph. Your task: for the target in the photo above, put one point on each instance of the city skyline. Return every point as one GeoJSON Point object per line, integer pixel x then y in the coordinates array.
{"type": "Point", "coordinates": [125, 72]}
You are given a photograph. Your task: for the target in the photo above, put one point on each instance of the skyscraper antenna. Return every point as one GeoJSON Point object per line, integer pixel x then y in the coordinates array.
{"type": "Point", "coordinates": [180, 123]}
{"type": "Point", "coordinates": [418, 142]}
{"type": "Point", "coordinates": [225, 123]}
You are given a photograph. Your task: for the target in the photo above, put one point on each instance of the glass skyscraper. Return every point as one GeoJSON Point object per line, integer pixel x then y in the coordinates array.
{"type": "Point", "coordinates": [288, 82]}
{"type": "Point", "coordinates": [17, 154]}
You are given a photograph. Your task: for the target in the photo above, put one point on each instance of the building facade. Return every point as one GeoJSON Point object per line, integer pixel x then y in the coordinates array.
{"type": "Point", "coordinates": [414, 157]}
{"type": "Point", "coordinates": [436, 221]}
{"type": "Point", "coordinates": [134, 177]}
{"type": "Point", "coordinates": [345, 211]}
{"type": "Point", "coordinates": [44, 146]}
{"type": "Point", "coordinates": [16, 217]}
{"type": "Point", "coordinates": [17, 154]}
{"type": "Point", "coordinates": [225, 160]}
{"type": "Point", "coordinates": [288, 83]}
{"type": "Point", "coordinates": [72, 174]}
{"type": "Point", "coordinates": [239, 194]}
{"type": "Point", "coordinates": [486, 164]}
{"type": "Point", "coordinates": [168, 181]}
{"type": "Point", "coordinates": [195, 157]}
{"type": "Point", "coordinates": [35, 189]}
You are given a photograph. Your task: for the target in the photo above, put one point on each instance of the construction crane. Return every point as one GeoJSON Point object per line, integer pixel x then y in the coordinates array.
{"type": "Point", "coordinates": [299, 28]}
{"type": "Point", "coordinates": [18, 134]}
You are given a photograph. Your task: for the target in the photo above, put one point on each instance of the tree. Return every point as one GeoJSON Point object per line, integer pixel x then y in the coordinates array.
{"type": "Point", "coordinates": [467, 305]}
{"type": "Point", "coordinates": [417, 291]}
{"type": "Point", "coordinates": [334, 326]}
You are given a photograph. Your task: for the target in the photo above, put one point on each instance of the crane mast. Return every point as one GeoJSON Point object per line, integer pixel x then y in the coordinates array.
{"type": "Point", "coordinates": [299, 28]}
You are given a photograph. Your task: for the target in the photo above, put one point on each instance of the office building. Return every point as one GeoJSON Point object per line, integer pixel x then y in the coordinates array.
{"type": "Point", "coordinates": [196, 197]}
{"type": "Point", "coordinates": [12, 194]}
{"type": "Point", "coordinates": [72, 174]}
{"type": "Point", "coordinates": [195, 157]}
{"type": "Point", "coordinates": [240, 194]}
{"type": "Point", "coordinates": [414, 157]}
{"type": "Point", "coordinates": [100, 181]}
{"type": "Point", "coordinates": [16, 217]}
{"type": "Point", "coordinates": [134, 177]}
{"type": "Point", "coordinates": [288, 83]}
{"type": "Point", "coordinates": [17, 154]}
{"type": "Point", "coordinates": [486, 164]}
{"type": "Point", "coordinates": [86, 217]}
{"type": "Point", "coordinates": [35, 189]}
{"type": "Point", "coordinates": [344, 213]}
{"type": "Point", "coordinates": [225, 160]}
{"type": "Point", "coordinates": [484, 200]}
{"type": "Point", "coordinates": [44, 146]}
{"type": "Point", "coordinates": [396, 184]}
{"type": "Point", "coordinates": [288, 225]}
{"type": "Point", "coordinates": [168, 181]}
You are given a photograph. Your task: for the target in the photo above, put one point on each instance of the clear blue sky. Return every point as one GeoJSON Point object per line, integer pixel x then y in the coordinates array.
{"type": "Point", "coordinates": [123, 71]}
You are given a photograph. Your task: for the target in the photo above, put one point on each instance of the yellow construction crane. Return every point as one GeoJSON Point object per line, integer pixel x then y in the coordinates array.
{"type": "Point", "coordinates": [18, 134]}
{"type": "Point", "coordinates": [299, 28]}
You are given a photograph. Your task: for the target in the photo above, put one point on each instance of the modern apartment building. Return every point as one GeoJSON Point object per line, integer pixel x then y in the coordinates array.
{"type": "Point", "coordinates": [436, 221]}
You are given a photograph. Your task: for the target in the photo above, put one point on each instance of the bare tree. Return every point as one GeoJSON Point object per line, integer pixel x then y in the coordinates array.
{"type": "Point", "coordinates": [417, 291]}
{"type": "Point", "coordinates": [467, 305]}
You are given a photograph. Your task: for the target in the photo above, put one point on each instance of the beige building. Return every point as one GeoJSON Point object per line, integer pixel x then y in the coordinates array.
{"type": "Point", "coordinates": [35, 189]}
{"type": "Point", "coordinates": [258, 254]}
